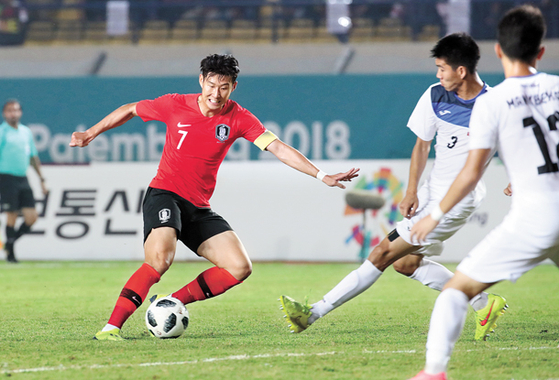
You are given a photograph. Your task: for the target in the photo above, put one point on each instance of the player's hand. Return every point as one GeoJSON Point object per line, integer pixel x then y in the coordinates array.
{"type": "Point", "coordinates": [80, 139]}
{"type": "Point", "coordinates": [335, 179]}
{"type": "Point", "coordinates": [508, 190]}
{"type": "Point", "coordinates": [421, 229]}
{"type": "Point", "coordinates": [408, 206]}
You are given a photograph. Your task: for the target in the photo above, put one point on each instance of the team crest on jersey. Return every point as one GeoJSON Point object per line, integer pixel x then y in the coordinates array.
{"type": "Point", "coordinates": [222, 132]}
{"type": "Point", "coordinates": [164, 215]}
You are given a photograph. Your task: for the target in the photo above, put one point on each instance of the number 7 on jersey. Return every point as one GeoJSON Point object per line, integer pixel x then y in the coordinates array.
{"type": "Point", "coordinates": [183, 133]}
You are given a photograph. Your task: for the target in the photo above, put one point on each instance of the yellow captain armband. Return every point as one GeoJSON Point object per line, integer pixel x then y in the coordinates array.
{"type": "Point", "coordinates": [265, 139]}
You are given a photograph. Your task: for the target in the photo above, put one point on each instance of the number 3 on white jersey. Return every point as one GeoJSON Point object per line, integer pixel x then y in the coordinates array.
{"type": "Point", "coordinates": [183, 133]}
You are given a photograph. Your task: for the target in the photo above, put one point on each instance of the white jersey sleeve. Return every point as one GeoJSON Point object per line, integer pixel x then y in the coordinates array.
{"type": "Point", "coordinates": [483, 126]}
{"type": "Point", "coordinates": [423, 121]}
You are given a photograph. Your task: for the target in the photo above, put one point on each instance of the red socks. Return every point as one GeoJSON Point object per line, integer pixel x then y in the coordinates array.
{"type": "Point", "coordinates": [208, 284]}
{"type": "Point", "coordinates": [133, 294]}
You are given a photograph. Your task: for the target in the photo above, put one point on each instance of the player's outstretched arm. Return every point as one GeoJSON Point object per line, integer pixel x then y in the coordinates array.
{"type": "Point", "coordinates": [464, 183]}
{"type": "Point", "coordinates": [116, 118]}
{"type": "Point", "coordinates": [292, 157]}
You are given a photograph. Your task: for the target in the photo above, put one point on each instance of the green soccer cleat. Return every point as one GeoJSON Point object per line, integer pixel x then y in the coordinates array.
{"type": "Point", "coordinates": [296, 314]}
{"type": "Point", "coordinates": [113, 334]}
{"type": "Point", "coordinates": [486, 318]}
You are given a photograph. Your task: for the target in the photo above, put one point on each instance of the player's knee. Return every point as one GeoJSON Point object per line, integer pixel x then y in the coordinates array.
{"type": "Point", "coordinates": [241, 271]}
{"type": "Point", "coordinates": [247, 271]}
{"type": "Point", "coordinates": [160, 258]}
{"type": "Point", "coordinates": [160, 264]}
{"type": "Point", "coordinates": [244, 271]}
{"type": "Point", "coordinates": [31, 220]}
{"type": "Point", "coordinates": [404, 267]}
{"type": "Point", "coordinates": [380, 255]}
{"type": "Point", "coordinates": [30, 216]}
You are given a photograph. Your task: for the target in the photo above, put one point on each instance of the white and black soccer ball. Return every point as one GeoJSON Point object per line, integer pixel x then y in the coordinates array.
{"type": "Point", "coordinates": [166, 317]}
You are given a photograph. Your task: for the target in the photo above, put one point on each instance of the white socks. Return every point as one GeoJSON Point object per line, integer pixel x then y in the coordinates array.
{"type": "Point", "coordinates": [109, 327]}
{"type": "Point", "coordinates": [432, 274]}
{"type": "Point", "coordinates": [479, 301]}
{"type": "Point", "coordinates": [435, 276]}
{"type": "Point", "coordinates": [446, 325]}
{"type": "Point", "coordinates": [429, 273]}
{"type": "Point", "coordinates": [352, 285]}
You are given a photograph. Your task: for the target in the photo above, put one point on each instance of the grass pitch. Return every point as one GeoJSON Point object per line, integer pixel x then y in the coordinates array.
{"type": "Point", "coordinates": [50, 311]}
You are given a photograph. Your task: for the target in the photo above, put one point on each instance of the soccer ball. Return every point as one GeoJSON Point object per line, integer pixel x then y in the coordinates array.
{"type": "Point", "coordinates": [166, 317]}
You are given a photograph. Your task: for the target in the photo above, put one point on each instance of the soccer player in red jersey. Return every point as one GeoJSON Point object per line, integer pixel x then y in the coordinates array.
{"type": "Point", "coordinates": [200, 130]}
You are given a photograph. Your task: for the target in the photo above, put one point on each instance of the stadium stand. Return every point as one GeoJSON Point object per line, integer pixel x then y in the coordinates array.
{"type": "Point", "coordinates": [40, 32]}
{"type": "Point", "coordinates": [391, 30]}
{"type": "Point", "coordinates": [271, 30]}
{"type": "Point", "coordinates": [243, 31]}
{"type": "Point", "coordinates": [155, 31]}
{"type": "Point", "coordinates": [185, 31]}
{"type": "Point", "coordinates": [69, 31]}
{"type": "Point", "coordinates": [215, 30]}
{"type": "Point", "coordinates": [322, 35]}
{"type": "Point", "coordinates": [265, 21]}
{"type": "Point", "coordinates": [96, 32]}
{"type": "Point", "coordinates": [429, 33]}
{"type": "Point", "coordinates": [362, 30]}
{"type": "Point", "coordinates": [300, 30]}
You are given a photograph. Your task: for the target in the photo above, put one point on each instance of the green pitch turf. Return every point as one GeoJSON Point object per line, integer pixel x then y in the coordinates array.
{"type": "Point", "coordinates": [50, 311]}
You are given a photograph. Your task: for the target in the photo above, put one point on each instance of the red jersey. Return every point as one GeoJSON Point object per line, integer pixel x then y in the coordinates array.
{"type": "Point", "coordinates": [195, 145]}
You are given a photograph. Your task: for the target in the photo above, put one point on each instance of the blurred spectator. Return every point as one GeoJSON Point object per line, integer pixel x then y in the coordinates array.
{"type": "Point", "coordinates": [398, 11]}
{"type": "Point", "coordinates": [13, 20]}
{"type": "Point", "coordinates": [458, 16]}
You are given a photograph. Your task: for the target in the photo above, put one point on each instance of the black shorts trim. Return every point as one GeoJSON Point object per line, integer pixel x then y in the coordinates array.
{"type": "Point", "coordinates": [393, 235]}
{"type": "Point", "coordinates": [15, 193]}
{"type": "Point", "coordinates": [194, 225]}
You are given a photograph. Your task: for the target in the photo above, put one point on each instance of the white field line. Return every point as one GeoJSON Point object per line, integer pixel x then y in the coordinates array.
{"type": "Point", "coordinates": [230, 358]}
{"type": "Point", "coordinates": [156, 364]}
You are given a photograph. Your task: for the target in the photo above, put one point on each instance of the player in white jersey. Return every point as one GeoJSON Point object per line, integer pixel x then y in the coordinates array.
{"type": "Point", "coordinates": [519, 115]}
{"type": "Point", "coordinates": [443, 110]}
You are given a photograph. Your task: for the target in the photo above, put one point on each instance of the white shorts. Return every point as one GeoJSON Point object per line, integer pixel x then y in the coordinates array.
{"type": "Point", "coordinates": [528, 235]}
{"type": "Point", "coordinates": [448, 225]}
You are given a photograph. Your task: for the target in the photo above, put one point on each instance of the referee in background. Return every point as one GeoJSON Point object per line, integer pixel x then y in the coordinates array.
{"type": "Point", "coordinates": [17, 152]}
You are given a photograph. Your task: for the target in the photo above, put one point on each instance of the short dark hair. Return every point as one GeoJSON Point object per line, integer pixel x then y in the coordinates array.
{"type": "Point", "coordinates": [10, 101]}
{"type": "Point", "coordinates": [520, 33]}
{"type": "Point", "coordinates": [220, 64]}
{"type": "Point", "coordinates": [457, 49]}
